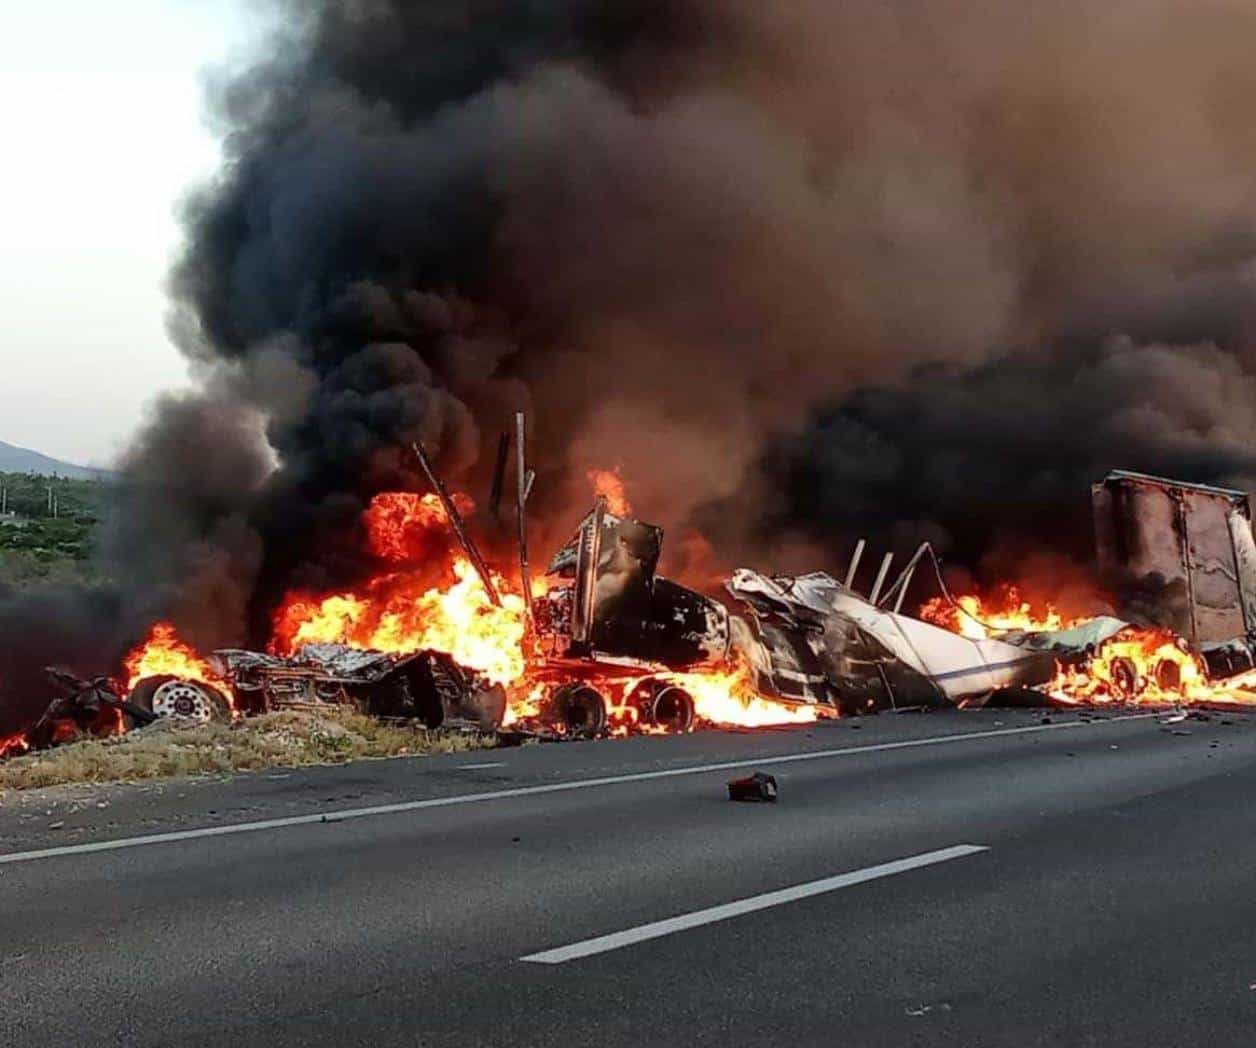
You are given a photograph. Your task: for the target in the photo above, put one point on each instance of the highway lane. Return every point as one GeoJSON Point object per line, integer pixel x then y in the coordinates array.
{"type": "Point", "coordinates": [1112, 904]}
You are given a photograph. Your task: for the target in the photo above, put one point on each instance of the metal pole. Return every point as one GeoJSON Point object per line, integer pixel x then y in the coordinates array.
{"type": "Point", "coordinates": [523, 481]}
{"type": "Point", "coordinates": [904, 580]}
{"type": "Point", "coordinates": [876, 586]}
{"type": "Point", "coordinates": [455, 521]}
{"type": "Point", "coordinates": [499, 475]}
{"type": "Point", "coordinates": [854, 563]}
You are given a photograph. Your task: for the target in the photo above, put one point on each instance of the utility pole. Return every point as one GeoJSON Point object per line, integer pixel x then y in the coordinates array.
{"type": "Point", "coordinates": [50, 500]}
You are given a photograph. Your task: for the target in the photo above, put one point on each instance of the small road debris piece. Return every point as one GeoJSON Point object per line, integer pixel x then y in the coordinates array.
{"type": "Point", "coordinates": [756, 787]}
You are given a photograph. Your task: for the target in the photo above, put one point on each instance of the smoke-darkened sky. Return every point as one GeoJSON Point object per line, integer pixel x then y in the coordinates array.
{"type": "Point", "coordinates": [695, 236]}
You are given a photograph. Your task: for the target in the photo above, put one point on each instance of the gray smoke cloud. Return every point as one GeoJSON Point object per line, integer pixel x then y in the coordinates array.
{"type": "Point", "coordinates": [799, 268]}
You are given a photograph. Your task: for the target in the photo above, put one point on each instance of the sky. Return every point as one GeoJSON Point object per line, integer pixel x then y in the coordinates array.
{"type": "Point", "coordinates": [101, 117]}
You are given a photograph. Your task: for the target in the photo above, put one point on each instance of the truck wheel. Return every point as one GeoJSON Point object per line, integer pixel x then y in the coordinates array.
{"type": "Point", "coordinates": [167, 696]}
{"type": "Point", "coordinates": [1126, 681]}
{"type": "Point", "coordinates": [666, 705]}
{"type": "Point", "coordinates": [581, 709]}
{"type": "Point", "coordinates": [1168, 675]}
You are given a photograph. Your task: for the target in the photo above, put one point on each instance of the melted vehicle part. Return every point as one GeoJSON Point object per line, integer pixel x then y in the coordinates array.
{"type": "Point", "coordinates": [427, 685]}
{"type": "Point", "coordinates": [616, 608]}
{"type": "Point", "coordinates": [810, 639]}
{"type": "Point", "coordinates": [86, 707]}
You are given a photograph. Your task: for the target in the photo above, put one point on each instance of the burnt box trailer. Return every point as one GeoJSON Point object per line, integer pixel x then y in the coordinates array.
{"type": "Point", "coordinates": [1181, 556]}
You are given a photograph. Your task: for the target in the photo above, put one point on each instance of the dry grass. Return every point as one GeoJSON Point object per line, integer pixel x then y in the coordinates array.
{"type": "Point", "coordinates": [274, 740]}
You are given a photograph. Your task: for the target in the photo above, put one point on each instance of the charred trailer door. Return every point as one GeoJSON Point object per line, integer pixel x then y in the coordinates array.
{"type": "Point", "coordinates": [1186, 549]}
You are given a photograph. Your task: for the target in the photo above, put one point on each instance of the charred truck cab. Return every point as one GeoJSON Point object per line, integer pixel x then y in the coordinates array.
{"type": "Point", "coordinates": [611, 630]}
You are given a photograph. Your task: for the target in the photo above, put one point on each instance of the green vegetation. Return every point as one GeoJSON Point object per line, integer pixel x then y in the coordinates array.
{"type": "Point", "coordinates": [273, 740]}
{"type": "Point", "coordinates": [38, 541]}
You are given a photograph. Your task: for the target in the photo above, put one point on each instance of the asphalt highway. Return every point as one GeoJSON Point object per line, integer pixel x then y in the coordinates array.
{"type": "Point", "coordinates": [960, 879]}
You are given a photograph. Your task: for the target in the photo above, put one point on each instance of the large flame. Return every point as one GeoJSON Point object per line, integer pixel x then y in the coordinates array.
{"type": "Point", "coordinates": [729, 698]}
{"type": "Point", "coordinates": [400, 525]}
{"type": "Point", "coordinates": [162, 653]}
{"type": "Point", "coordinates": [403, 611]}
{"type": "Point", "coordinates": [395, 613]}
{"type": "Point", "coordinates": [978, 618]}
{"type": "Point", "coordinates": [1140, 665]}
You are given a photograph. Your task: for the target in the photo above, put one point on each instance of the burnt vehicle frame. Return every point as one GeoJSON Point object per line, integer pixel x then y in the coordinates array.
{"type": "Point", "coordinates": [611, 620]}
{"type": "Point", "coordinates": [425, 685]}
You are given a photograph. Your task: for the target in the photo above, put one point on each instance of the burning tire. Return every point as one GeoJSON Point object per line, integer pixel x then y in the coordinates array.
{"type": "Point", "coordinates": [1126, 680]}
{"type": "Point", "coordinates": [581, 709]}
{"type": "Point", "coordinates": [1168, 675]}
{"type": "Point", "coordinates": [166, 696]}
{"type": "Point", "coordinates": [666, 705]}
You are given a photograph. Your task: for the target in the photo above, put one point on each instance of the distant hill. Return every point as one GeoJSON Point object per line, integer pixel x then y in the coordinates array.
{"type": "Point", "coordinates": [22, 460]}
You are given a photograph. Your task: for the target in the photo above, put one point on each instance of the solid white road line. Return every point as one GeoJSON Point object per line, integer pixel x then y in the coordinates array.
{"type": "Point", "coordinates": [604, 943]}
{"type": "Point", "coordinates": [532, 791]}
{"type": "Point", "coordinates": [477, 767]}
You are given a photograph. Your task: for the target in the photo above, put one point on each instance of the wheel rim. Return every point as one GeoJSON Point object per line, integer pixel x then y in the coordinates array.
{"type": "Point", "coordinates": [673, 709]}
{"type": "Point", "coordinates": [584, 712]}
{"type": "Point", "coordinates": [183, 699]}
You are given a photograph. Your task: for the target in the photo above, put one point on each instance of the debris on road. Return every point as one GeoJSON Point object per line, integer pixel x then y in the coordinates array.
{"type": "Point", "coordinates": [756, 787]}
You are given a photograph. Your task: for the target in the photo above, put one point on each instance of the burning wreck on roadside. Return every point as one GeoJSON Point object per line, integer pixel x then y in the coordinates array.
{"type": "Point", "coordinates": [604, 645]}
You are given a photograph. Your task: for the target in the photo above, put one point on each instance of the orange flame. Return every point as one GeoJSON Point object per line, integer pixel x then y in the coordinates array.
{"type": "Point", "coordinates": [1136, 665]}
{"type": "Point", "coordinates": [162, 652]}
{"type": "Point", "coordinates": [400, 525]}
{"type": "Point", "coordinates": [14, 745]}
{"type": "Point", "coordinates": [978, 618]}
{"type": "Point", "coordinates": [402, 611]}
{"type": "Point", "coordinates": [728, 698]}
{"type": "Point", "coordinates": [608, 484]}
{"type": "Point", "coordinates": [1140, 665]}
{"type": "Point", "coordinates": [394, 613]}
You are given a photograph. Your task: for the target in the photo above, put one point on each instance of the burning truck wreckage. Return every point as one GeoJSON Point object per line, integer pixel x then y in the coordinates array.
{"type": "Point", "coordinates": [602, 645]}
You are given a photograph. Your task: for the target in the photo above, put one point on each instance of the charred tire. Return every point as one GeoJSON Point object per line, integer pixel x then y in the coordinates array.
{"type": "Point", "coordinates": [1126, 681]}
{"type": "Point", "coordinates": [582, 710]}
{"type": "Point", "coordinates": [1168, 675]}
{"type": "Point", "coordinates": [165, 696]}
{"type": "Point", "coordinates": [668, 706]}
